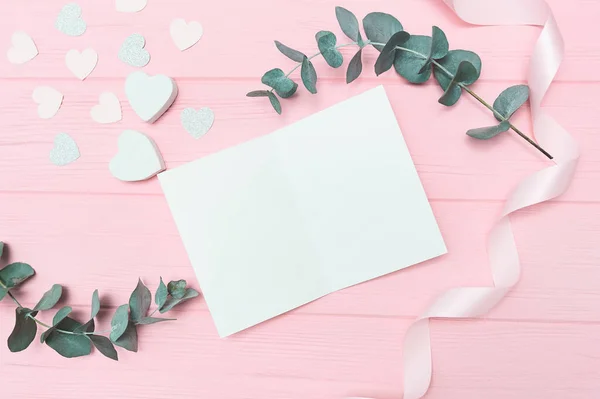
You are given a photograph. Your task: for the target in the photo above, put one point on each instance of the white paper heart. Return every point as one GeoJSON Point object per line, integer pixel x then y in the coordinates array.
{"type": "Point", "coordinates": [150, 96]}
{"type": "Point", "coordinates": [131, 5]}
{"type": "Point", "coordinates": [185, 35]}
{"type": "Point", "coordinates": [65, 150]}
{"type": "Point", "coordinates": [81, 64]}
{"type": "Point", "coordinates": [108, 110]}
{"type": "Point", "coordinates": [197, 123]}
{"type": "Point", "coordinates": [132, 51]}
{"type": "Point", "coordinates": [23, 48]}
{"type": "Point", "coordinates": [48, 99]}
{"type": "Point", "coordinates": [69, 20]}
{"type": "Point", "coordinates": [138, 157]}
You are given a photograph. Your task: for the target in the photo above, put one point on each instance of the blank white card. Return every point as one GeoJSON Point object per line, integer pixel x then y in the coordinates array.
{"type": "Point", "coordinates": [326, 203]}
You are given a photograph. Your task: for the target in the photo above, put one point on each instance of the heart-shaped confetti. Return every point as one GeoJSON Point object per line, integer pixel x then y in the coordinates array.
{"type": "Point", "coordinates": [69, 20]}
{"type": "Point", "coordinates": [65, 150]}
{"type": "Point", "coordinates": [185, 35]}
{"type": "Point", "coordinates": [23, 48]}
{"type": "Point", "coordinates": [81, 64]}
{"type": "Point", "coordinates": [197, 123]}
{"type": "Point", "coordinates": [138, 157]}
{"type": "Point", "coordinates": [131, 5]}
{"type": "Point", "coordinates": [108, 109]}
{"type": "Point", "coordinates": [132, 51]}
{"type": "Point", "coordinates": [150, 96]}
{"type": "Point", "coordinates": [49, 101]}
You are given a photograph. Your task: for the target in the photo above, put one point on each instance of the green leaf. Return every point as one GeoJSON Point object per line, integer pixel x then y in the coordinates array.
{"type": "Point", "coordinates": [275, 103]}
{"type": "Point", "coordinates": [95, 304]}
{"type": "Point", "coordinates": [139, 301]}
{"type": "Point", "coordinates": [388, 53]}
{"type": "Point", "coordinates": [309, 76]}
{"type": "Point", "coordinates": [354, 67]}
{"type": "Point", "coordinates": [380, 27]}
{"type": "Point", "coordinates": [177, 288]}
{"type": "Point", "coordinates": [486, 133]}
{"type": "Point", "coordinates": [510, 100]}
{"type": "Point", "coordinates": [119, 322]}
{"type": "Point", "coordinates": [61, 315]}
{"type": "Point", "coordinates": [104, 346]}
{"type": "Point", "coordinates": [439, 44]}
{"type": "Point", "coordinates": [410, 65]}
{"type": "Point", "coordinates": [276, 79]}
{"type": "Point", "coordinates": [129, 339]}
{"type": "Point", "coordinates": [57, 321]}
{"type": "Point", "coordinates": [161, 293]}
{"type": "Point", "coordinates": [15, 273]}
{"type": "Point", "coordinates": [87, 327]}
{"type": "Point", "coordinates": [24, 331]}
{"type": "Point", "coordinates": [466, 73]}
{"type": "Point", "coordinates": [451, 62]}
{"type": "Point", "coordinates": [50, 298]}
{"type": "Point", "coordinates": [1, 248]}
{"type": "Point", "coordinates": [327, 42]}
{"type": "Point", "coordinates": [69, 345]}
{"type": "Point", "coordinates": [289, 52]}
{"type": "Point", "coordinates": [152, 320]}
{"type": "Point", "coordinates": [172, 302]}
{"type": "Point", "coordinates": [348, 23]}
{"type": "Point", "coordinates": [257, 93]}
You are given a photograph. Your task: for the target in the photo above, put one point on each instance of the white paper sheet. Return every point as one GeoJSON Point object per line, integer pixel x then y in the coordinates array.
{"type": "Point", "coordinates": [326, 203]}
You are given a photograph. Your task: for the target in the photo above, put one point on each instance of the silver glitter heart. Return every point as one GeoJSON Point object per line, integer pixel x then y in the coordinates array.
{"type": "Point", "coordinates": [69, 20]}
{"type": "Point", "coordinates": [65, 150]}
{"type": "Point", "coordinates": [197, 123]}
{"type": "Point", "coordinates": [132, 51]}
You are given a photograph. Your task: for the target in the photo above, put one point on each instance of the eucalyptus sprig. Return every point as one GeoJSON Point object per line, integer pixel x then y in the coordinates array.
{"type": "Point", "coordinates": [71, 338]}
{"type": "Point", "coordinates": [414, 57]}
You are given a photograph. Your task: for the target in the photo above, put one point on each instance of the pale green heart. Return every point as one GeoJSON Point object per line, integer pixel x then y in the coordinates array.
{"type": "Point", "coordinates": [69, 20]}
{"type": "Point", "coordinates": [65, 150]}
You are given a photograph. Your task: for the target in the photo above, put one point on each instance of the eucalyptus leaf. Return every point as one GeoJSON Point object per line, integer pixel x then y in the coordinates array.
{"type": "Point", "coordinates": [1, 248]}
{"type": "Point", "coordinates": [24, 331]}
{"type": "Point", "coordinates": [104, 346]}
{"type": "Point", "coordinates": [15, 273]}
{"type": "Point", "coordinates": [451, 62]}
{"type": "Point", "coordinates": [510, 100]}
{"type": "Point", "coordinates": [61, 315]}
{"type": "Point", "coordinates": [354, 67]}
{"type": "Point", "coordinates": [129, 339]}
{"type": "Point", "coordinates": [348, 23]}
{"type": "Point", "coordinates": [289, 52]}
{"type": "Point", "coordinates": [466, 73]}
{"type": "Point", "coordinates": [161, 292]}
{"type": "Point", "coordinates": [275, 102]}
{"type": "Point", "coordinates": [439, 44]}
{"type": "Point", "coordinates": [50, 298]}
{"type": "Point", "coordinates": [95, 304]}
{"type": "Point", "coordinates": [386, 59]}
{"type": "Point", "coordinates": [172, 302]}
{"type": "Point", "coordinates": [380, 27]}
{"type": "Point", "coordinates": [309, 75]}
{"type": "Point", "coordinates": [69, 345]}
{"type": "Point", "coordinates": [486, 133]}
{"type": "Point", "coordinates": [88, 327]}
{"type": "Point", "coordinates": [152, 320]}
{"type": "Point", "coordinates": [255, 93]}
{"type": "Point", "coordinates": [276, 79]}
{"type": "Point", "coordinates": [177, 288]}
{"type": "Point", "coordinates": [119, 322]}
{"type": "Point", "coordinates": [409, 65]}
{"type": "Point", "coordinates": [139, 301]}
{"type": "Point", "coordinates": [327, 46]}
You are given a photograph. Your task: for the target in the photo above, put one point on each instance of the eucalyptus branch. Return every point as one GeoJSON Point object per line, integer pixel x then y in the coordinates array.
{"type": "Point", "coordinates": [70, 338]}
{"type": "Point", "coordinates": [415, 58]}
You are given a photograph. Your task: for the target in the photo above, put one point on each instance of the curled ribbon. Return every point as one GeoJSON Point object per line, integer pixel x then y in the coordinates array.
{"type": "Point", "coordinates": [544, 185]}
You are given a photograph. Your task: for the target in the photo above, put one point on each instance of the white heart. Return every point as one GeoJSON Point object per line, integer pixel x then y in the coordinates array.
{"type": "Point", "coordinates": [150, 96]}
{"type": "Point", "coordinates": [65, 150]}
{"type": "Point", "coordinates": [131, 5]}
{"type": "Point", "coordinates": [81, 64]}
{"type": "Point", "coordinates": [108, 110]}
{"type": "Point", "coordinates": [138, 157]}
{"type": "Point", "coordinates": [23, 48]}
{"type": "Point", "coordinates": [197, 123]}
{"type": "Point", "coordinates": [49, 101]}
{"type": "Point", "coordinates": [185, 35]}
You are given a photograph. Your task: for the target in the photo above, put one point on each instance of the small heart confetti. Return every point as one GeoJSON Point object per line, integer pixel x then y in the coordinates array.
{"type": "Point", "coordinates": [49, 101]}
{"type": "Point", "coordinates": [131, 5]}
{"type": "Point", "coordinates": [185, 35]}
{"type": "Point", "coordinates": [132, 51]}
{"type": "Point", "coordinates": [65, 150]}
{"type": "Point", "coordinates": [69, 20]}
{"type": "Point", "coordinates": [108, 110]}
{"type": "Point", "coordinates": [23, 48]}
{"type": "Point", "coordinates": [81, 64]}
{"type": "Point", "coordinates": [197, 123]}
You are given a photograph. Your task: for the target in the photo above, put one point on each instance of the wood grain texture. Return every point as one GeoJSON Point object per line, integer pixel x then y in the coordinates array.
{"type": "Point", "coordinates": [80, 227]}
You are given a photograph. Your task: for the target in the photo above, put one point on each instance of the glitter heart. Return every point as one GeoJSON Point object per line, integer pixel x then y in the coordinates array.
{"type": "Point", "coordinates": [65, 150]}
{"type": "Point", "coordinates": [132, 51]}
{"type": "Point", "coordinates": [69, 20]}
{"type": "Point", "coordinates": [23, 48]}
{"type": "Point", "coordinates": [197, 123]}
{"type": "Point", "coordinates": [49, 101]}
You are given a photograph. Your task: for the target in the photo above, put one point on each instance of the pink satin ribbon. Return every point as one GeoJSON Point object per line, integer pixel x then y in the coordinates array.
{"type": "Point", "coordinates": [549, 183]}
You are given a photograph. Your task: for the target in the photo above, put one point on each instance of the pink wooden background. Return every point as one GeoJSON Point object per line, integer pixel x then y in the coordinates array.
{"type": "Point", "coordinates": [82, 228]}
